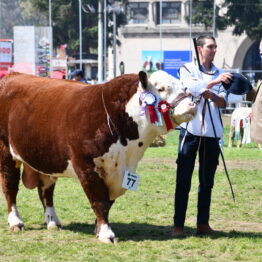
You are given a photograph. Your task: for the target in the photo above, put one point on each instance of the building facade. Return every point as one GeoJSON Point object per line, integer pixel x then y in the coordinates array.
{"type": "Point", "coordinates": [144, 32]}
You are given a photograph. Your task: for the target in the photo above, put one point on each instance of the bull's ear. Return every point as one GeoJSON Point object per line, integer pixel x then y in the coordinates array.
{"type": "Point", "coordinates": [143, 79]}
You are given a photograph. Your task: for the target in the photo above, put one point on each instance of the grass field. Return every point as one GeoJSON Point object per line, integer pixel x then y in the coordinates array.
{"type": "Point", "coordinates": [143, 220]}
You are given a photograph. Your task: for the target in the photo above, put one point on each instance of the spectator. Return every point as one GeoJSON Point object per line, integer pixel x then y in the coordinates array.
{"type": "Point", "coordinates": [256, 118]}
{"type": "Point", "coordinates": [78, 75]}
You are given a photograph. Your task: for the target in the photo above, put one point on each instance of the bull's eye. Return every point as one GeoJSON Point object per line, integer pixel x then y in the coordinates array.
{"type": "Point", "coordinates": [161, 89]}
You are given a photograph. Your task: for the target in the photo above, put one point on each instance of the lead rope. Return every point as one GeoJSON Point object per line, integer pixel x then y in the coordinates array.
{"type": "Point", "coordinates": [203, 138]}
{"type": "Point", "coordinates": [107, 115]}
{"type": "Point", "coordinates": [222, 156]}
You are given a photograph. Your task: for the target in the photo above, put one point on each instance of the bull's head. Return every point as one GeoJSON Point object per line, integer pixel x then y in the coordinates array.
{"type": "Point", "coordinates": [167, 88]}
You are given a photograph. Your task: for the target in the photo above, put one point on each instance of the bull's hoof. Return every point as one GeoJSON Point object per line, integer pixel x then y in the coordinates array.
{"type": "Point", "coordinates": [106, 235]}
{"type": "Point", "coordinates": [53, 226]}
{"type": "Point", "coordinates": [17, 228]}
{"type": "Point", "coordinates": [108, 240]}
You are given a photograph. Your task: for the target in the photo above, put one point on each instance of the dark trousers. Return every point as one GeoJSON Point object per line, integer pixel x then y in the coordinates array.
{"type": "Point", "coordinates": [208, 151]}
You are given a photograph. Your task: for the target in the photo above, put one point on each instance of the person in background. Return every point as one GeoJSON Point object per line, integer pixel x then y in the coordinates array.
{"type": "Point", "coordinates": [204, 84]}
{"type": "Point", "coordinates": [256, 117]}
{"type": "Point", "coordinates": [251, 75]}
{"type": "Point", "coordinates": [78, 75]}
{"type": "Point", "coordinates": [260, 49]}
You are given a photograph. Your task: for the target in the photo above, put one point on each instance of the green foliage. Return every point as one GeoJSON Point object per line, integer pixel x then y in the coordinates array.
{"type": "Point", "coordinates": [202, 14]}
{"type": "Point", "coordinates": [65, 22]}
{"type": "Point", "coordinates": [13, 14]}
{"type": "Point", "coordinates": [245, 16]}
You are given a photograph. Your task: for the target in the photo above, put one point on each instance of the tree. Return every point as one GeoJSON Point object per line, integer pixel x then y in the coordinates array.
{"type": "Point", "coordinates": [65, 22]}
{"type": "Point", "coordinates": [202, 14]}
{"type": "Point", "coordinates": [245, 16]}
{"type": "Point", "coordinates": [12, 14]}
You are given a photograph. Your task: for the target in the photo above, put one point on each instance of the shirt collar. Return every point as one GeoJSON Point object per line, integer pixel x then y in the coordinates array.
{"type": "Point", "coordinates": [213, 70]}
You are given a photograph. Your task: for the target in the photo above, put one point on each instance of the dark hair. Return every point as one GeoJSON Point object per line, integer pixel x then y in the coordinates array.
{"type": "Point", "coordinates": [78, 72]}
{"type": "Point", "coordinates": [201, 40]}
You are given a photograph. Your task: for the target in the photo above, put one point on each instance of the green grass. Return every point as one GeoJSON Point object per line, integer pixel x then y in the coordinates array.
{"type": "Point", "coordinates": [143, 220]}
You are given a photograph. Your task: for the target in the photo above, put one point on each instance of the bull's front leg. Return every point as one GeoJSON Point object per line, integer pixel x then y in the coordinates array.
{"type": "Point", "coordinates": [46, 188]}
{"type": "Point", "coordinates": [98, 195]}
{"type": "Point", "coordinates": [239, 142]}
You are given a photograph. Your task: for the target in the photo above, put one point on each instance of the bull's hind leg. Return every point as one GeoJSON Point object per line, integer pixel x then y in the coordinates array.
{"type": "Point", "coordinates": [231, 136]}
{"type": "Point", "coordinates": [98, 196]}
{"type": "Point", "coordinates": [10, 177]}
{"type": "Point", "coordinates": [46, 188]}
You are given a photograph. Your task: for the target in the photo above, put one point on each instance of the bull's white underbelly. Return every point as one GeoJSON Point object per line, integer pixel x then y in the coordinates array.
{"type": "Point", "coordinates": [68, 172]}
{"type": "Point", "coordinates": [110, 166]}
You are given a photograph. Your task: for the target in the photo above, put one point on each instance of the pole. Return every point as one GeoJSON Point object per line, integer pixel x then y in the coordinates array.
{"type": "Point", "coordinates": [1, 26]}
{"type": "Point", "coordinates": [114, 40]}
{"type": "Point", "coordinates": [190, 28]}
{"type": "Point", "coordinates": [214, 18]}
{"type": "Point", "coordinates": [105, 39]}
{"type": "Point", "coordinates": [50, 13]}
{"type": "Point", "coordinates": [51, 36]}
{"type": "Point", "coordinates": [197, 55]}
{"type": "Point", "coordinates": [100, 42]}
{"type": "Point", "coordinates": [160, 31]}
{"type": "Point", "coordinates": [80, 34]}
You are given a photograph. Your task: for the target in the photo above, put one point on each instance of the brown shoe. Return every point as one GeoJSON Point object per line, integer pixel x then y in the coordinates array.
{"type": "Point", "coordinates": [204, 229]}
{"type": "Point", "coordinates": [178, 232]}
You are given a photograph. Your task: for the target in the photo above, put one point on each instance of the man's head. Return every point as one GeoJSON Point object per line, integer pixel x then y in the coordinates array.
{"type": "Point", "coordinates": [78, 75]}
{"type": "Point", "coordinates": [207, 47]}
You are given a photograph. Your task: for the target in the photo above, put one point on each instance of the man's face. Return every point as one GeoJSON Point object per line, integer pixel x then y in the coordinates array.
{"type": "Point", "coordinates": [208, 50]}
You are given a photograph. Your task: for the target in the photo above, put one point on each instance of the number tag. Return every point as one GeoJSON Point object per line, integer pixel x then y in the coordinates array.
{"type": "Point", "coordinates": [130, 181]}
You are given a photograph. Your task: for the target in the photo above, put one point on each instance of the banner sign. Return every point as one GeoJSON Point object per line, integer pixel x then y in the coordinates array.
{"type": "Point", "coordinates": [5, 52]}
{"type": "Point", "coordinates": [169, 61]}
{"type": "Point", "coordinates": [33, 50]}
{"type": "Point", "coordinates": [43, 44]}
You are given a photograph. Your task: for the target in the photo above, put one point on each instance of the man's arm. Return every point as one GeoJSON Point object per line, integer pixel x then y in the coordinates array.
{"type": "Point", "coordinates": [222, 78]}
{"type": "Point", "coordinates": [192, 85]}
{"type": "Point", "coordinates": [217, 99]}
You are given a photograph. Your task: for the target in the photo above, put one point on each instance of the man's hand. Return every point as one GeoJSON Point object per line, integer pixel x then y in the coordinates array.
{"type": "Point", "coordinates": [225, 78]}
{"type": "Point", "coordinates": [218, 100]}
{"type": "Point", "coordinates": [222, 78]}
{"type": "Point", "coordinates": [207, 94]}
{"type": "Point", "coordinates": [187, 92]}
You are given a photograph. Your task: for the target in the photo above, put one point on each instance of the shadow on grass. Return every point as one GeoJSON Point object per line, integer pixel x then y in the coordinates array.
{"type": "Point", "coordinates": [140, 232]}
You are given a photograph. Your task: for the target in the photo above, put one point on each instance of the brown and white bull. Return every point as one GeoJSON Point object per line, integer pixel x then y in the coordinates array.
{"type": "Point", "coordinates": [62, 128]}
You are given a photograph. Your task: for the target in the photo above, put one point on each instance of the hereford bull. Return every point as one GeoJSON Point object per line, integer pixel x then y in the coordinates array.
{"type": "Point", "coordinates": [94, 134]}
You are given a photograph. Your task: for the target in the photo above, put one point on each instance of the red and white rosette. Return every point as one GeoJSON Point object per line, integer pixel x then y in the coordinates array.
{"type": "Point", "coordinates": [150, 100]}
{"type": "Point", "coordinates": [163, 107]}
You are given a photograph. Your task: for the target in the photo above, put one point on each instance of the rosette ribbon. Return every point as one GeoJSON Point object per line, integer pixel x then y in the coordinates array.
{"type": "Point", "coordinates": [152, 113]}
{"type": "Point", "coordinates": [149, 99]}
{"type": "Point", "coordinates": [163, 107]}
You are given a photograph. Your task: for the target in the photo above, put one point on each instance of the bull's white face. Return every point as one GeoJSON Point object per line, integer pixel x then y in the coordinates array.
{"type": "Point", "coordinates": [169, 88]}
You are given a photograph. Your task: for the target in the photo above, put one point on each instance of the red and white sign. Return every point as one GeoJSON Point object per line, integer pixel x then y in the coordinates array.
{"type": "Point", "coordinates": [6, 52]}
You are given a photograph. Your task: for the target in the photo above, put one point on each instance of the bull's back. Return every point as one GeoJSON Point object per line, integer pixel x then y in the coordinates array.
{"type": "Point", "coordinates": [33, 119]}
{"type": "Point", "coordinates": [47, 121]}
